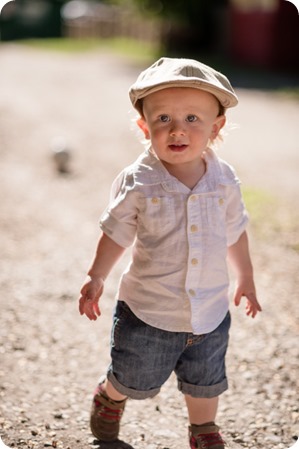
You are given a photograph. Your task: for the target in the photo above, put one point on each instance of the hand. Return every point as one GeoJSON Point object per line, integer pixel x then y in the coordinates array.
{"type": "Point", "coordinates": [245, 287]}
{"type": "Point", "coordinates": [90, 294]}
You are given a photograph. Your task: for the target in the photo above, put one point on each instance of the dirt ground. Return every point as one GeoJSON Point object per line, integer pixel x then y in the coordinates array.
{"type": "Point", "coordinates": [51, 357]}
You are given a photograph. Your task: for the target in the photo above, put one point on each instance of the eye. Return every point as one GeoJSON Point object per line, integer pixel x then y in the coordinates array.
{"type": "Point", "coordinates": [164, 118]}
{"type": "Point", "coordinates": [191, 118]}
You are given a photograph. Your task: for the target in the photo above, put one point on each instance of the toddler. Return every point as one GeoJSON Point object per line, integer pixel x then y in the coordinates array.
{"type": "Point", "coordinates": [180, 207]}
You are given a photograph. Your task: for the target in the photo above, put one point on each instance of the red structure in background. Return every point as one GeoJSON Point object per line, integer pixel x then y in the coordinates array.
{"type": "Point", "coordinates": [265, 36]}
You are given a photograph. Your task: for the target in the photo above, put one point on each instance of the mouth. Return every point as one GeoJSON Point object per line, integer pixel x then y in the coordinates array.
{"type": "Point", "coordinates": [177, 148]}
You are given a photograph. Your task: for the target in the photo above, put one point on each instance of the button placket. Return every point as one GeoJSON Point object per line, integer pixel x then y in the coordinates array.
{"type": "Point", "coordinates": [195, 245]}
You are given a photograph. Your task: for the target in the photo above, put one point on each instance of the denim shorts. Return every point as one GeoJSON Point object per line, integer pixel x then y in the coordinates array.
{"type": "Point", "coordinates": [143, 357]}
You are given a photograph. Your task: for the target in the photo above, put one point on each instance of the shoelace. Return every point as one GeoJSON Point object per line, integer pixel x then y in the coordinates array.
{"type": "Point", "coordinates": [208, 440]}
{"type": "Point", "coordinates": [109, 413]}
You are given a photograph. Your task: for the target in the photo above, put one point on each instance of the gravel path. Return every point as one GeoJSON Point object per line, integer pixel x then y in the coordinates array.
{"type": "Point", "coordinates": [50, 356]}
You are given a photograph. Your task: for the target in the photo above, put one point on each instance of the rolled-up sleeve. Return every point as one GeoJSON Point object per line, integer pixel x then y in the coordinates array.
{"type": "Point", "coordinates": [119, 220]}
{"type": "Point", "coordinates": [236, 214]}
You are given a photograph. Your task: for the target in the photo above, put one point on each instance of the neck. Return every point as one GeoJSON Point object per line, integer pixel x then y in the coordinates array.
{"type": "Point", "coordinates": [188, 174]}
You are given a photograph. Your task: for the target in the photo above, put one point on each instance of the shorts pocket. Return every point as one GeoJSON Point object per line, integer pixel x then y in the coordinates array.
{"type": "Point", "coordinates": [120, 316]}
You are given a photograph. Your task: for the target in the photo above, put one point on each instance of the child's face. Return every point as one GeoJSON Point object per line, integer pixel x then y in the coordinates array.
{"type": "Point", "coordinates": [180, 122]}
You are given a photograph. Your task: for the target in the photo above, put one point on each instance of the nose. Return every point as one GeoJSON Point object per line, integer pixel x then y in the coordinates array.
{"type": "Point", "coordinates": [177, 129]}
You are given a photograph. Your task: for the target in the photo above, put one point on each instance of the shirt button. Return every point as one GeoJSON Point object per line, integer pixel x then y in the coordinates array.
{"type": "Point", "coordinates": [155, 200]}
{"type": "Point", "coordinates": [191, 292]}
{"type": "Point", "coordinates": [192, 198]}
{"type": "Point", "coordinates": [194, 261]}
{"type": "Point", "coordinates": [194, 228]}
{"type": "Point", "coordinates": [221, 201]}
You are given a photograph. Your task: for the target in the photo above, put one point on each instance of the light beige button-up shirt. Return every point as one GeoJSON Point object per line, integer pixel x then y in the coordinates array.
{"type": "Point", "coordinates": [177, 279]}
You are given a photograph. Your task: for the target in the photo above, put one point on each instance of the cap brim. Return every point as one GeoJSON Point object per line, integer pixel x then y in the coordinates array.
{"type": "Point", "coordinates": [226, 98]}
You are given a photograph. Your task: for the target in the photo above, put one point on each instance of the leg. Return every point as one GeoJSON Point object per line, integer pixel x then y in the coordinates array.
{"type": "Point", "coordinates": [201, 410]}
{"type": "Point", "coordinates": [201, 377]}
{"type": "Point", "coordinates": [131, 365]}
{"type": "Point", "coordinates": [203, 431]}
{"type": "Point", "coordinates": [201, 373]}
{"type": "Point", "coordinates": [111, 392]}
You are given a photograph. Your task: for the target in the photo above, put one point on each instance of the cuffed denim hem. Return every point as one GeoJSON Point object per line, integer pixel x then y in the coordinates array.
{"type": "Point", "coordinates": [198, 391]}
{"type": "Point", "coordinates": [133, 394]}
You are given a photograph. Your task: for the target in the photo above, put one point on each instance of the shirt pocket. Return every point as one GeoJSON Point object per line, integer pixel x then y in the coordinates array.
{"type": "Point", "coordinates": [215, 214]}
{"type": "Point", "coordinates": [157, 216]}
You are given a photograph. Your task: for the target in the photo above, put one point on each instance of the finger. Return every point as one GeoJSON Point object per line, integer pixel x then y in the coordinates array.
{"type": "Point", "coordinates": [258, 306]}
{"type": "Point", "coordinates": [254, 302]}
{"type": "Point", "coordinates": [252, 308]}
{"type": "Point", "coordinates": [84, 308]}
{"type": "Point", "coordinates": [97, 309]}
{"type": "Point", "coordinates": [237, 298]}
{"type": "Point", "coordinates": [81, 305]}
{"type": "Point", "coordinates": [88, 309]}
{"type": "Point", "coordinates": [251, 311]}
{"type": "Point", "coordinates": [92, 310]}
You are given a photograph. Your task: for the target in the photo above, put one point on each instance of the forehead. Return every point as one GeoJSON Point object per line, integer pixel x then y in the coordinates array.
{"type": "Point", "coordinates": [181, 97]}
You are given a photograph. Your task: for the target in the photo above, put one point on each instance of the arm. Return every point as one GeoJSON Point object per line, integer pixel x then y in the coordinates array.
{"type": "Point", "coordinates": [239, 258]}
{"type": "Point", "coordinates": [107, 254]}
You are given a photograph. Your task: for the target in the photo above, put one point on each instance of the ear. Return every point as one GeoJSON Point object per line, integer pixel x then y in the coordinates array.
{"type": "Point", "coordinates": [143, 126]}
{"type": "Point", "coordinates": [218, 124]}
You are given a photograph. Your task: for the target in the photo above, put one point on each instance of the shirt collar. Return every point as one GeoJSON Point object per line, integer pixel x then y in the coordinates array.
{"type": "Point", "coordinates": [149, 170]}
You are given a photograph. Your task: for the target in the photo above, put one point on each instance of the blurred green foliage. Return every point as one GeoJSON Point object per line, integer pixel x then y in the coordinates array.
{"type": "Point", "coordinates": [144, 52]}
{"type": "Point", "coordinates": [191, 12]}
{"type": "Point", "coordinates": [272, 217]}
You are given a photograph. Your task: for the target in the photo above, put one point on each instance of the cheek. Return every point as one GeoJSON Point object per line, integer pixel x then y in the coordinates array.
{"type": "Point", "coordinates": [201, 134]}
{"type": "Point", "coordinates": [158, 133]}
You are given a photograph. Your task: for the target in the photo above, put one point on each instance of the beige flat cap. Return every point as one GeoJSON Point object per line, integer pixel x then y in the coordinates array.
{"type": "Point", "coordinates": [179, 72]}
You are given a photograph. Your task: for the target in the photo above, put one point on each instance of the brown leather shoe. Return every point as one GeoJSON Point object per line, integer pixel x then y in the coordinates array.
{"type": "Point", "coordinates": [206, 436]}
{"type": "Point", "coordinates": [105, 415]}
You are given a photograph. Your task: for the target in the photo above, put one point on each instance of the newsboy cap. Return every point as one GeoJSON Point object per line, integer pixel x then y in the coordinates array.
{"type": "Point", "coordinates": [180, 72]}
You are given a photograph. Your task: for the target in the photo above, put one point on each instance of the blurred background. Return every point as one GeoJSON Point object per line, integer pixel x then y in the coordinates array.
{"type": "Point", "coordinates": [261, 34]}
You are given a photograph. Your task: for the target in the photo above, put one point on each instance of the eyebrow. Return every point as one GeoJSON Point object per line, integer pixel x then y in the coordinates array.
{"type": "Point", "coordinates": [139, 107]}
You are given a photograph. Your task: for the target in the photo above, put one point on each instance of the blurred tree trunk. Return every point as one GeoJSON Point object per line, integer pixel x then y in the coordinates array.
{"type": "Point", "coordinates": [190, 26]}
